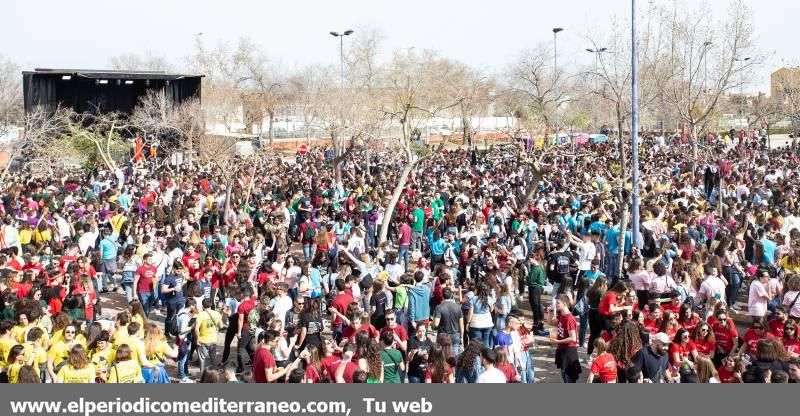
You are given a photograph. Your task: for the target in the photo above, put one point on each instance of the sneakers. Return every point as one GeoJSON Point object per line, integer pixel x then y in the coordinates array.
{"type": "Point", "coordinates": [186, 380]}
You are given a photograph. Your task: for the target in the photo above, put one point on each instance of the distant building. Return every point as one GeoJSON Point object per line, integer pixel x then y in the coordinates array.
{"type": "Point", "coordinates": [784, 81]}
{"type": "Point", "coordinates": [103, 90]}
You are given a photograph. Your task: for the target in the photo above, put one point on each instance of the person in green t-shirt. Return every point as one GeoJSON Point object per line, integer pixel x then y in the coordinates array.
{"type": "Point", "coordinates": [536, 280]}
{"type": "Point", "coordinates": [393, 364]}
{"type": "Point", "coordinates": [417, 227]}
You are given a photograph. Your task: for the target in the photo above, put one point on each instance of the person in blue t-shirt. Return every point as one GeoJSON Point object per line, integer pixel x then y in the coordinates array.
{"type": "Point", "coordinates": [769, 248]}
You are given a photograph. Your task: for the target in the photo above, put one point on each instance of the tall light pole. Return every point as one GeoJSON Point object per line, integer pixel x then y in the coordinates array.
{"type": "Point", "coordinates": [634, 131]}
{"type": "Point", "coordinates": [341, 52]}
{"type": "Point", "coordinates": [706, 45]}
{"type": "Point", "coordinates": [596, 53]}
{"type": "Point", "coordinates": [741, 86]}
{"type": "Point", "coordinates": [555, 70]}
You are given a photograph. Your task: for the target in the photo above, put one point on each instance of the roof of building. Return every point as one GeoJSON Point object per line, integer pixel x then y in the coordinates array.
{"type": "Point", "coordinates": [111, 74]}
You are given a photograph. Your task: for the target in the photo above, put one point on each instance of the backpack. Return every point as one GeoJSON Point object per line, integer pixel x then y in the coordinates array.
{"type": "Point", "coordinates": [562, 264]}
{"type": "Point", "coordinates": [173, 328]}
{"type": "Point", "coordinates": [309, 233]}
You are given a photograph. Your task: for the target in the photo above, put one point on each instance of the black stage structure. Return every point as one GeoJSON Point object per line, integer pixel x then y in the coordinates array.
{"type": "Point", "coordinates": [89, 91]}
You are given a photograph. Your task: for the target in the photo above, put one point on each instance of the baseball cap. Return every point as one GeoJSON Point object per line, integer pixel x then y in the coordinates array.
{"type": "Point", "coordinates": [662, 337]}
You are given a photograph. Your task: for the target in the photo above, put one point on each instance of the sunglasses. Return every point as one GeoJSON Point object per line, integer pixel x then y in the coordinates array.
{"type": "Point", "coordinates": [69, 332]}
{"type": "Point", "coordinates": [758, 327]}
{"type": "Point", "coordinates": [389, 319]}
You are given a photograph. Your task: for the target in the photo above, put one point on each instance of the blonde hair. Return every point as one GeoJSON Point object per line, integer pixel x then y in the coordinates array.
{"type": "Point", "coordinates": [153, 339]}
{"type": "Point", "coordinates": [705, 369]}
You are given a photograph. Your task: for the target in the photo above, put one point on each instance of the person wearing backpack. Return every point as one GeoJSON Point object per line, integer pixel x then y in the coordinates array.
{"type": "Point", "coordinates": [308, 234]}
{"type": "Point", "coordinates": [558, 268]}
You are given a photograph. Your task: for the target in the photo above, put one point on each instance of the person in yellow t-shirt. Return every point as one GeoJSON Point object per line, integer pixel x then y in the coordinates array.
{"type": "Point", "coordinates": [78, 369]}
{"type": "Point", "coordinates": [206, 330]}
{"type": "Point", "coordinates": [157, 350]}
{"type": "Point", "coordinates": [120, 335]}
{"type": "Point", "coordinates": [125, 369]}
{"type": "Point", "coordinates": [118, 220]}
{"type": "Point", "coordinates": [6, 343]}
{"type": "Point", "coordinates": [58, 354]}
{"type": "Point", "coordinates": [15, 360]}
{"type": "Point", "coordinates": [35, 351]}
{"type": "Point", "coordinates": [101, 354]}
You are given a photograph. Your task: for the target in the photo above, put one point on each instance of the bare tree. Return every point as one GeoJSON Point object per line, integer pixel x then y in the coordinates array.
{"type": "Point", "coordinates": [222, 97]}
{"type": "Point", "coordinates": [303, 92]}
{"type": "Point", "coordinates": [415, 88]}
{"type": "Point", "coordinates": [99, 135]}
{"type": "Point", "coordinates": [260, 81]}
{"type": "Point", "coordinates": [542, 88]}
{"type": "Point", "coordinates": [788, 95]}
{"type": "Point", "coordinates": [175, 128]}
{"type": "Point", "coordinates": [475, 90]}
{"type": "Point", "coordinates": [42, 129]}
{"type": "Point", "coordinates": [147, 62]}
{"type": "Point", "coordinates": [10, 94]}
{"type": "Point", "coordinates": [706, 59]}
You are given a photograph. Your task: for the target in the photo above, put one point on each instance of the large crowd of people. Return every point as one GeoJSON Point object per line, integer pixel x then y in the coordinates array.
{"type": "Point", "coordinates": [278, 271]}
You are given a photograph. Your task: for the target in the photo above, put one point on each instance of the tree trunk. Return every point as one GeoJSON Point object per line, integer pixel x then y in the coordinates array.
{"type": "Point", "coordinates": [271, 130]}
{"type": "Point", "coordinates": [623, 201]}
{"type": "Point", "coordinates": [398, 189]}
{"type": "Point", "coordinates": [228, 186]}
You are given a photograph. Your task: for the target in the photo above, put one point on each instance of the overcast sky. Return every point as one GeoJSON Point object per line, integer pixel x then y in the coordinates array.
{"type": "Point", "coordinates": [482, 33]}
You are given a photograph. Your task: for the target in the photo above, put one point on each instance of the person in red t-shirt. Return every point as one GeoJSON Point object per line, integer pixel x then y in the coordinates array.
{"type": "Point", "coordinates": [687, 318]}
{"type": "Point", "coordinates": [144, 282]}
{"type": "Point", "coordinates": [791, 341]}
{"type": "Point", "coordinates": [190, 255]}
{"type": "Point", "coordinates": [704, 340]}
{"type": "Point", "coordinates": [264, 367]}
{"type": "Point", "coordinates": [682, 351]}
{"type": "Point", "coordinates": [604, 366]}
{"type": "Point", "coordinates": [399, 334]}
{"type": "Point", "coordinates": [338, 308]}
{"type": "Point", "coordinates": [725, 333]}
{"type": "Point", "coordinates": [653, 321]}
{"type": "Point", "coordinates": [566, 340]}
{"type": "Point", "coordinates": [350, 331]}
{"type": "Point", "coordinates": [346, 367]}
{"type": "Point", "coordinates": [776, 326]}
{"type": "Point", "coordinates": [755, 333]}
{"type": "Point", "coordinates": [731, 370]}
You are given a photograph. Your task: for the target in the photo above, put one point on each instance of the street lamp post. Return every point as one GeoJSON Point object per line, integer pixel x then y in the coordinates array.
{"type": "Point", "coordinates": [706, 45]}
{"type": "Point", "coordinates": [634, 132]}
{"type": "Point", "coordinates": [741, 86]}
{"type": "Point", "coordinates": [341, 52]}
{"type": "Point", "coordinates": [555, 72]}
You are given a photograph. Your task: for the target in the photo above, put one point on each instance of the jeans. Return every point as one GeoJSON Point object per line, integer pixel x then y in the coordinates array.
{"type": "Point", "coordinates": [183, 358]}
{"type": "Point", "coordinates": [371, 236]}
{"type": "Point", "coordinates": [416, 240]}
{"type": "Point", "coordinates": [403, 254]}
{"type": "Point", "coordinates": [127, 285]}
{"type": "Point", "coordinates": [554, 295]}
{"type": "Point", "coordinates": [612, 264]}
{"type": "Point", "coordinates": [483, 334]}
{"type": "Point", "coordinates": [535, 299]}
{"type": "Point", "coordinates": [595, 328]}
{"type": "Point", "coordinates": [734, 284]}
{"type": "Point", "coordinates": [583, 320]}
{"type": "Point", "coordinates": [307, 248]}
{"type": "Point", "coordinates": [414, 379]}
{"type": "Point", "coordinates": [455, 339]}
{"type": "Point", "coordinates": [527, 375]}
{"type": "Point", "coordinates": [567, 379]}
{"type": "Point", "coordinates": [146, 298]}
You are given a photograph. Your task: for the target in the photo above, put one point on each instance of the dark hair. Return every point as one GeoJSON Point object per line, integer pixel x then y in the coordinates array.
{"type": "Point", "coordinates": [28, 375]}
{"type": "Point", "coordinates": [489, 355]}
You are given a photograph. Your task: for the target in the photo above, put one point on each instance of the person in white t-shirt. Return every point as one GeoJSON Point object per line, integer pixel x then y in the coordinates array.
{"type": "Point", "coordinates": [759, 296]}
{"type": "Point", "coordinates": [712, 287]}
{"type": "Point", "coordinates": [490, 374]}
